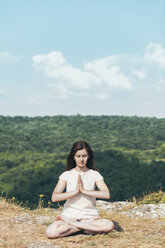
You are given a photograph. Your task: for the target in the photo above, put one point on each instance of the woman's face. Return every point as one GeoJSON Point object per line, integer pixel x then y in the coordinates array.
{"type": "Point", "coordinates": [81, 158]}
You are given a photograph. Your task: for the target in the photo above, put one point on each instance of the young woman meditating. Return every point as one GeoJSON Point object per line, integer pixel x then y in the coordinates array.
{"type": "Point", "coordinates": [79, 212]}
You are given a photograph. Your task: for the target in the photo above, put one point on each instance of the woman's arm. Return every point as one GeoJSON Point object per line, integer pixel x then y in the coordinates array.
{"type": "Point", "coordinates": [102, 193]}
{"type": "Point", "coordinates": [58, 194]}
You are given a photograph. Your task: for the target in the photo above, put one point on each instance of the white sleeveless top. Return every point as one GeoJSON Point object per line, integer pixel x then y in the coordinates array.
{"type": "Point", "coordinates": [80, 206]}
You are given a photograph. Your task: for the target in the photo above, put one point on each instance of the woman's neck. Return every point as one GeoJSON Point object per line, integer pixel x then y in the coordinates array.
{"type": "Point", "coordinates": [83, 169]}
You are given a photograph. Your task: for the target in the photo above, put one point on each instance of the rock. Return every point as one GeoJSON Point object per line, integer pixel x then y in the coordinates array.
{"type": "Point", "coordinates": [33, 219]}
{"type": "Point", "coordinates": [147, 211]}
{"type": "Point", "coordinates": [23, 218]}
{"type": "Point", "coordinates": [142, 211]}
{"type": "Point", "coordinates": [54, 210]}
{"type": "Point", "coordinates": [113, 206]}
{"type": "Point", "coordinates": [44, 219]}
{"type": "Point", "coordinates": [42, 245]}
{"type": "Point", "coordinates": [160, 223]}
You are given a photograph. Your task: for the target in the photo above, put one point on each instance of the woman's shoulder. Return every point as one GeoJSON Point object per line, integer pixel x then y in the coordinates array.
{"type": "Point", "coordinates": [96, 174]}
{"type": "Point", "coordinates": [65, 174]}
{"type": "Point", "coordinates": [94, 171]}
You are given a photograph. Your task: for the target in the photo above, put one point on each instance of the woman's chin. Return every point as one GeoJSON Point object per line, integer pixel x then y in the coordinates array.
{"type": "Point", "coordinates": [81, 165]}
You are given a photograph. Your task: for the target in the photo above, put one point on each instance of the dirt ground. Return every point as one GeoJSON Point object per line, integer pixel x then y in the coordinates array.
{"type": "Point", "coordinates": [129, 232]}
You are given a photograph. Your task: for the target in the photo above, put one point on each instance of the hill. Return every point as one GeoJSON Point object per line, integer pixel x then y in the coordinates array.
{"type": "Point", "coordinates": [129, 152]}
{"type": "Point", "coordinates": [57, 133]}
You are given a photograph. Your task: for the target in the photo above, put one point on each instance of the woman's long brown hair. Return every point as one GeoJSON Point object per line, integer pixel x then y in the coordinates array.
{"type": "Point", "coordinates": [79, 145]}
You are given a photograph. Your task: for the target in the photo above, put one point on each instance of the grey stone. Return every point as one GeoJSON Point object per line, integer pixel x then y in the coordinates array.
{"type": "Point", "coordinates": [142, 211]}
{"type": "Point", "coordinates": [113, 206]}
{"type": "Point", "coordinates": [54, 210]}
{"type": "Point", "coordinates": [44, 219]}
{"type": "Point", "coordinates": [42, 245]}
{"type": "Point", "coordinates": [147, 211]}
{"type": "Point", "coordinates": [33, 219]}
{"type": "Point", "coordinates": [23, 218]}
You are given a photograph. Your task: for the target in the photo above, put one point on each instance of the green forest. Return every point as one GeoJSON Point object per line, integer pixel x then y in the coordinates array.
{"type": "Point", "coordinates": [129, 153]}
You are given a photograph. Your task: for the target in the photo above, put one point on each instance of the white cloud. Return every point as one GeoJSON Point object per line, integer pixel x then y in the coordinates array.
{"type": "Point", "coordinates": [62, 91]}
{"type": "Point", "coordinates": [139, 73]}
{"type": "Point", "coordinates": [154, 52]}
{"type": "Point", "coordinates": [6, 57]}
{"type": "Point", "coordinates": [103, 77]}
{"type": "Point", "coordinates": [97, 76]}
{"type": "Point", "coordinates": [109, 73]}
{"type": "Point", "coordinates": [55, 66]}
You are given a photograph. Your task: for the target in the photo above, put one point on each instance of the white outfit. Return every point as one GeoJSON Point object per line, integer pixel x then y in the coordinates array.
{"type": "Point", "coordinates": [80, 206]}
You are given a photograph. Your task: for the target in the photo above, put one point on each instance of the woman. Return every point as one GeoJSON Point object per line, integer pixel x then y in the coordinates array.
{"type": "Point", "coordinates": [79, 212]}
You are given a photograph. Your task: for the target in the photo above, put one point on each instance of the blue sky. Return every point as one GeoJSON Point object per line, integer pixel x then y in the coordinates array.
{"type": "Point", "coordinates": [97, 57]}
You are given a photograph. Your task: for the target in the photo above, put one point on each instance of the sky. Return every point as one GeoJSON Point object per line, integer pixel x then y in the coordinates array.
{"type": "Point", "coordinates": [69, 57]}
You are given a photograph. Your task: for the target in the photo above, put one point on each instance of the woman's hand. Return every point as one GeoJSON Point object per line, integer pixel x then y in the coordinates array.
{"type": "Point", "coordinates": [80, 184]}
{"type": "Point", "coordinates": [59, 195]}
{"type": "Point", "coordinates": [102, 193]}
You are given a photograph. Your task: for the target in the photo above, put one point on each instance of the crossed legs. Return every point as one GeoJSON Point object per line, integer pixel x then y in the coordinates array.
{"type": "Point", "coordinates": [64, 226]}
{"type": "Point", "coordinates": [60, 229]}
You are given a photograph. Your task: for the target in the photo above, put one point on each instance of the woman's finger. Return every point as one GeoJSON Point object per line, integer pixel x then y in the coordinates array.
{"type": "Point", "coordinates": [79, 178]}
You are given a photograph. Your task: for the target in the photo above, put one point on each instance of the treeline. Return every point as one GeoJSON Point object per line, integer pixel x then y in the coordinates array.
{"type": "Point", "coordinates": [129, 153]}
{"type": "Point", "coordinates": [57, 133]}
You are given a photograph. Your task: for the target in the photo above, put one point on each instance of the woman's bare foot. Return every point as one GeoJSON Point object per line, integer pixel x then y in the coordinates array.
{"type": "Point", "coordinates": [58, 217]}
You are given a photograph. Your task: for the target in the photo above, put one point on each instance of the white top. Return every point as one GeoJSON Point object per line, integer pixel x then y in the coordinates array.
{"type": "Point", "coordinates": [80, 206]}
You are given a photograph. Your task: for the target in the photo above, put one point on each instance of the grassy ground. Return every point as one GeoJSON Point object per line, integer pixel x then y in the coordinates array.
{"type": "Point", "coordinates": [129, 233]}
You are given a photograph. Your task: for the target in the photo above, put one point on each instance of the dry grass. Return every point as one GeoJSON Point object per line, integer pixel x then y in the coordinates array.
{"type": "Point", "coordinates": [155, 198]}
{"type": "Point", "coordinates": [129, 233]}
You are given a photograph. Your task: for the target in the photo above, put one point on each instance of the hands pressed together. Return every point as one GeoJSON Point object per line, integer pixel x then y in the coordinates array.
{"type": "Point", "coordinates": [80, 186]}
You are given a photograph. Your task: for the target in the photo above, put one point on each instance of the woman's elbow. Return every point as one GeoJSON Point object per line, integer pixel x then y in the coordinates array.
{"type": "Point", "coordinates": [107, 195]}
{"type": "Point", "coordinates": [54, 198]}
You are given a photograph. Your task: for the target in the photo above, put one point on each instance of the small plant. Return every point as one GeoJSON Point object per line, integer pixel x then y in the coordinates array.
{"type": "Point", "coordinates": [49, 204]}
{"type": "Point", "coordinates": [9, 202]}
{"type": "Point", "coordinates": [153, 198]}
{"type": "Point", "coordinates": [91, 244]}
{"type": "Point", "coordinates": [40, 202]}
{"type": "Point", "coordinates": [13, 198]}
{"type": "Point", "coordinates": [129, 207]}
{"type": "Point", "coordinates": [59, 207]}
